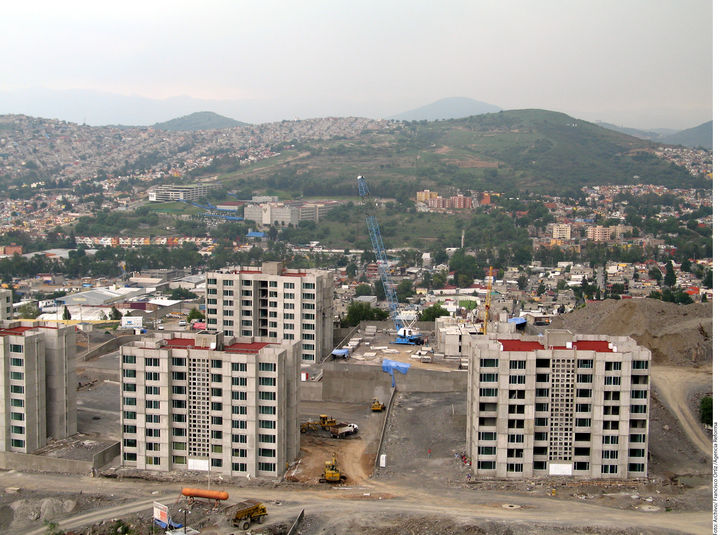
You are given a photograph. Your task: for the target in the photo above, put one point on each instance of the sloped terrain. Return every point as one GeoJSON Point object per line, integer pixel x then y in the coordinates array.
{"type": "Point", "coordinates": [676, 334]}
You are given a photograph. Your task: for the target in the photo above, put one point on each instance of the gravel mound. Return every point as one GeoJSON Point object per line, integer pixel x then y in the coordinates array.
{"type": "Point", "coordinates": [676, 334]}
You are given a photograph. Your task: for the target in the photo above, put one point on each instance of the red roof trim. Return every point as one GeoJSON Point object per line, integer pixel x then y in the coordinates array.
{"type": "Point", "coordinates": [521, 345]}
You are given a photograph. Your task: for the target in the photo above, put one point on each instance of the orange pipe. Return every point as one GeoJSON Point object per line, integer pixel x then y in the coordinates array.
{"type": "Point", "coordinates": [202, 493]}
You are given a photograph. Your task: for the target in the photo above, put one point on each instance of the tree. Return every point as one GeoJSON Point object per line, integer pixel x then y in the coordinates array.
{"type": "Point", "coordinates": [427, 280]}
{"type": "Point", "coordinates": [404, 290]}
{"type": "Point", "coordinates": [670, 278]}
{"type": "Point", "coordinates": [380, 290]}
{"type": "Point", "coordinates": [362, 289]}
{"type": "Point", "coordinates": [28, 311]}
{"type": "Point", "coordinates": [66, 314]}
{"type": "Point", "coordinates": [522, 282]}
{"type": "Point", "coordinates": [708, 280]}
{"type": "Point", "coordinates": [656, 274]}
{"type": "Point", "coordinates": [358, 312]}
{"type": "Point", "coordinates": [541, 288]}
{"type": "Point", "coordinates": [195, 314]}
{"type": "Point", "coordinates": [439, 279]}
{"type": "Point", "coordinates": [706, 410]}
{"type": "Point", "coordinates": [686, 266]}
{"type": "Point", "coordinates": [433, 312]}
{"type": "Point", "coordinates": [115, 314]}
{"type": "Point", "coordinates": [351, 270]}
{"type": "Point", "coordinates": [562, 284]}
{"type": "Point", "coordinates": [617, 288]}
{"type": "Point", "coordinates": [182, 293]}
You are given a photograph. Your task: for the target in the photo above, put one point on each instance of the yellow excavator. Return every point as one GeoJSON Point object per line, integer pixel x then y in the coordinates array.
{"type": "Point", "coordinates": [332, 473]}
{"type": "Point", "coordinates": [377, 406]}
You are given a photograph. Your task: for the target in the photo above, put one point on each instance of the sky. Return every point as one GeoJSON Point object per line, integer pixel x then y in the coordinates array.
{"type": "Point", "coordinates": [636, 63]}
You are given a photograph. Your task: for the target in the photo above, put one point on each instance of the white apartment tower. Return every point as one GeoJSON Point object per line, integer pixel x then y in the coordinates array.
{"type": "Point", "coordinates": [6, 304]}
{"type": "Point", "coordinates": [37, 384]}
{"type": "Point", "coordinates": [558, 405]}
{"type": "Point", "coordinates": [210, 403]}
{"type": "Point", "coordinates": [273, 304]}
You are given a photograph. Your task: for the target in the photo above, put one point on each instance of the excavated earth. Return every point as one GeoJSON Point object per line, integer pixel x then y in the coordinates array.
{"type": "Point", "coordinates": [679, 335]}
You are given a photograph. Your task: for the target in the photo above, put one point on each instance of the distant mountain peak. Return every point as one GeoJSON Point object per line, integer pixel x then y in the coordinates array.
{"type": "Point", "coordinates": [448, 108]}
{"type": "Point", "coordinates": [201, 120]}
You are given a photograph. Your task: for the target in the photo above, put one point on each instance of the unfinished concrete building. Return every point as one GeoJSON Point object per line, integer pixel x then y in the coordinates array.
{"type": "Point", "coordinates": [273, 304]}
{"type": "Point", "coordinates": [208, 402]}
{"type": "Point", "coordinates": [38, 384]}
{"type": "Point", "coordinates": [557, 405]}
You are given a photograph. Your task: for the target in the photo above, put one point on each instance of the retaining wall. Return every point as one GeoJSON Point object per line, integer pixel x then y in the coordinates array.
{"type": "Point", "coordinates": [106, 456]}
{"type": "Point", "coordinates": [10, 460]}
{"type": "Point", "coordinates": [110, 345]}
{"type": "Point", "coordinates": [358, 384]}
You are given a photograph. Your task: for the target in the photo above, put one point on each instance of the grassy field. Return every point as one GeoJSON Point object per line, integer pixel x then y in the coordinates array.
{"type": "Point", "coordinates": [174, 208]}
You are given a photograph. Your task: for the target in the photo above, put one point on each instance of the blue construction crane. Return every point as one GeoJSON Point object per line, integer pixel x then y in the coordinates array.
{"type": "Point", "coordinates": [405, 333]}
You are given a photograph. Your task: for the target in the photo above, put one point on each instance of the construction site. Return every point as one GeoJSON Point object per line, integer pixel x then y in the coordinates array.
{"type": "Point", "coordinates": [385, 423]}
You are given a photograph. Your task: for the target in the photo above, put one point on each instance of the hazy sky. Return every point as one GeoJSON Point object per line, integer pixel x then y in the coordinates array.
{"type": "Point", "coordinates": [640, 63]}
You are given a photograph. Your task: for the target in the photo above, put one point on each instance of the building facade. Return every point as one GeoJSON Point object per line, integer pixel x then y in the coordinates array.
{"type": "Point", "coordinates": [558, 405]}
{"type": "Point", "coordinates": [273, 304]}
{"type": "Point", "coordinates": [169, 192]}
{"type": "Point", "coordinates": [598, 233]}
{"type": "Point", "coordinates": [6, 304]}
{"type": "Point", "coordinates": [561, 231]}
{"type": "Point", "coordinates": [38, 391]}
{"type": "Point", "coordinates": [210, 403]}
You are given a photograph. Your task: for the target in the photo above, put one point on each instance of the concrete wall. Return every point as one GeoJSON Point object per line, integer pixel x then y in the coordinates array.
{"type": "Point", "coordinates": [110, 345]}
{"type": "Point", "coordinates": [106, 456]}
{"type": "Point", "coordinates": [311, 391]}
{"type": "Point", "coordinates": [38, 463]}
{"type": "Point", "coordinates": [358, 384]}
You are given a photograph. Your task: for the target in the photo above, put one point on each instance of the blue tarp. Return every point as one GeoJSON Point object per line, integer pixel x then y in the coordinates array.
{"type": "Point", "coordinates": [255, 234]}
{"type": "Point", "coordinates": [517, 321]}
{"type": "Point", "coordinates": [173, 525]}
{"type": "Point", "coordinates": [389, 366]}
{"type": "Point", "coordinates": [341, 353]}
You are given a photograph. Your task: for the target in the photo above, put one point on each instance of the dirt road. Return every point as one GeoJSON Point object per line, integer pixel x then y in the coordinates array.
{"type": "Point", "coordinates": [376, 502]}
{"type": "Point", "coordinates": [675, 385]}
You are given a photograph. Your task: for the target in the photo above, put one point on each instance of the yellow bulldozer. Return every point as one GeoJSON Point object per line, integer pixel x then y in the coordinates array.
{"type": "Point", "coordinates": [377, 406]}
{"type": "Point", "coordinates": [331, 473]}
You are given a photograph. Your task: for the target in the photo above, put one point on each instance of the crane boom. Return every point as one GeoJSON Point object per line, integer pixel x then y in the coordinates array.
{"type": "Point", "coordinates": [405, 333]}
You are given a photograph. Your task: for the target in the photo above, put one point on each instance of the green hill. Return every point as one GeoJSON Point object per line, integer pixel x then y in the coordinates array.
{"type": "Point", "coordinates": [202, 120]}
{"type": "Point", "coordinates": [516, 150]}
{"type": "Point", "coordinates": [699, 136]}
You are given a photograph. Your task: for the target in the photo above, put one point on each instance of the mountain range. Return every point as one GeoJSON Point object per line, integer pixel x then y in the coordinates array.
{"type": "Point", "coordinates": [698, 136]}
{"type": "Point", "coordinates": [447, 108]}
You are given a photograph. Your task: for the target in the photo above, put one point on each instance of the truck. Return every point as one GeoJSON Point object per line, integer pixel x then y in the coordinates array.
{"type": "Point", "coordinates": [343, 430]}
{"type": "Point", "coordinates": [249, 511]}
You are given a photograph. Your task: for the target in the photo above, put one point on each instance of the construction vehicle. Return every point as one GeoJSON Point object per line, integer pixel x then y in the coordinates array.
{"type": "Point", "coordinates": [325, 422]}
{"type": "Point", "coordinates": [377, 406]}
{"type": "Point", "coordinates": [405, 332]}
{"type": "Point", "coordinates": [249, 511]}
{"type": "Point", "coordinates": [331, 425]}
{"type": "Point", "coordinates": [343, 430]}
{"type": "Point", "coordinates": [332, 473]}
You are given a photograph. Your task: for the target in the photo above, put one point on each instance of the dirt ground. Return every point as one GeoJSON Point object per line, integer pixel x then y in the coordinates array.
{"type": "Point", "coordinates": [355, 453]}
{"type": "Point", "coordinates": [676, 334]}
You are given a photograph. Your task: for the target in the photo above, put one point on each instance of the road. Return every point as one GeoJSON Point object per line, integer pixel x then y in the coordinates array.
{"type": "Point", "coordinates": [374, 499]}
{"type": "Point", "coordinates": [674, 385]}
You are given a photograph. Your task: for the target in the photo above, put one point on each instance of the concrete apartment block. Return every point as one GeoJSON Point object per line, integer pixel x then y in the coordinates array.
{"type": "Point", "coordinates": [272, 304]}
{"type": "Point", "coordinates": [6, 304]}
{"type": "Point", "coordinates": [38, 390]}
{"type": "Point", "coordinates": [211, 403]}
{"type": "Point", "coordinates": [557, 405]}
